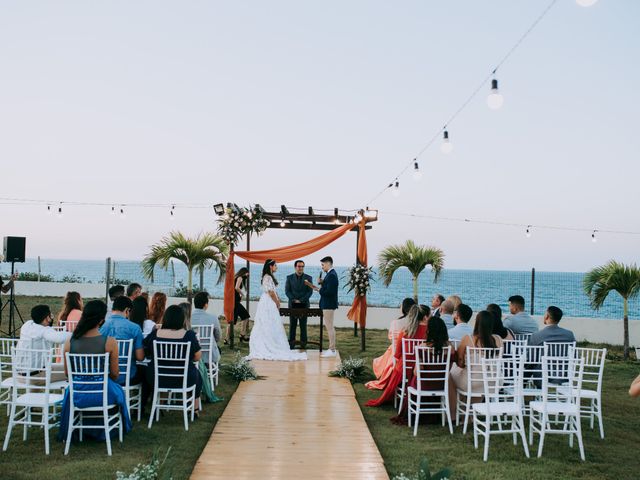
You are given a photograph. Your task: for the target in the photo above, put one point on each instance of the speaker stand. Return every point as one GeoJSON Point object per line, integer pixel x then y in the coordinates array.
{"type": "Point", "coordinates": [13, 309]}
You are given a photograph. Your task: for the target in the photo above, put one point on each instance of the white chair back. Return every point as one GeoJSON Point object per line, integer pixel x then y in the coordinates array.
{"type": "Point", "coordinates": [408, 356]}
{"type": "Point", "coordinates": [593, 362]}
{"type": "Point", "coordinates": [6, 346]}
{"type": "Point", "coordinates": [474, 357]}
{"type": "Point", "coordinates": [532, 356]}
{"type": "Point", "coordinates": [205, 338]}
{"type": "Point", "coordinates": [171, 361]}
{"type": "Point", "coordinates": [561, 372]}
{"type": "Point", "coordinates": [498, 372]}
{"type": "Point", "coordinates": [522, 337]}
{"type": "Point", "coordinates": [455, 344]}
{"type": "Point", "coordinates": [559, 349]}
{"type": "Point", "coordinates": [513, 348]}
{"type": "Point", "coordinates": [25, 376]}
{"type": "Point", "coordinates": [432, 368]}
{"type": "Point", "coordinates": [124, 360]}
{"type": "Point", "coordinates": [88, 375]}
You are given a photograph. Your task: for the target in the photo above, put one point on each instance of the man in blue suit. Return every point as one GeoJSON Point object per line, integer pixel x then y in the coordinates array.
{"type": "Point", "coordinates": [329, 302]}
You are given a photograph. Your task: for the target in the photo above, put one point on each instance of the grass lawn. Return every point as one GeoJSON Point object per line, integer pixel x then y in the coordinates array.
{"type": "Point", "coordinates": [616, 457]}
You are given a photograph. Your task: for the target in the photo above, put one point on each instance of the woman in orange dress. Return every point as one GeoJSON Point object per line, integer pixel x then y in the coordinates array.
{"type": "Point", "coordinates": [71, 311]}
{"type": "Point", "coordinates": [416, 328]}
{"type": "Point", "coordinates": [383, 365]}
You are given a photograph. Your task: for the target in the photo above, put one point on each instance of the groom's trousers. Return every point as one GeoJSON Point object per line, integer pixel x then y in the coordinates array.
{"type": "Point", "coordinates": [293, 325]}
{"type": "Point", "coordinates": [327, 317]}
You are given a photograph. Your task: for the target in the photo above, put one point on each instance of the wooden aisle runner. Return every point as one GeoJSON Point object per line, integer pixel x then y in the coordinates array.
{"type": "Point", "coordinates": [296, 424]}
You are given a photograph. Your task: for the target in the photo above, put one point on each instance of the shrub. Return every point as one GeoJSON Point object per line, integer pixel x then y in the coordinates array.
{"type": "Point", "coordinates": [425, 474]}
{"type": "Point", "coordinates": [241, 369]}
{"type": "Point", "coordinates": [73, 278]}
{"type": "Point", "coordinates": [182, 290]}
{"type": "Point", "coordinates": [154, 470]}
{"type": "Point", "coordinates": [33, 277]}
{"type": "Point", "coordinates": [352, 369]}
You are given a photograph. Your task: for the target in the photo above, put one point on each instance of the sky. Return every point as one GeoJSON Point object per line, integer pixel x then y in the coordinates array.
{"type": "Point", "coordinates": [322, 104]}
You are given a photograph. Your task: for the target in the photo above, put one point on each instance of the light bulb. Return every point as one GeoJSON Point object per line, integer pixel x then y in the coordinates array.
{"type": "Point", "coordinates": [60, 214]}
{"type": "Point", "coordinates": [417, 174]}
{"type": "Point", "coordinates": [593, 237]}
{"type": "Point", "coordinates": [528, 234]}
{"type": "Point", "coordinates": [48, 208]}
{"type": "Point", "coordinates": [446, 146]}
{"type": "Point", "coordinates": [495, 99]}
{"type": "Point", "coordinates": [173, 207]}
{"type": "Point", "coordinates": [122, 215]}
{"type": "Point", "coordinates": [396, 189]}
{"type": "Point", "coordinates": [586, 3]}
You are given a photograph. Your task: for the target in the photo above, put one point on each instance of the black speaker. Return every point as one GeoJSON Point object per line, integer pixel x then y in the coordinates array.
{"type": "Point", "coordinates": [14, 249]}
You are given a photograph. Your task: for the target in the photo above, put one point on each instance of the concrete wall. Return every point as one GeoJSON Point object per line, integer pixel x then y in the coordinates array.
{"type": "Point", "coordinates": [588, 329]}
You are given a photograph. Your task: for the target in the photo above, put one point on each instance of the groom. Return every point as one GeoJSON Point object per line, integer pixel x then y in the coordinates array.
{"type": "Point", "coordinates": [298, 293]}
{"type": "Point", "coordinates": [329, 302]}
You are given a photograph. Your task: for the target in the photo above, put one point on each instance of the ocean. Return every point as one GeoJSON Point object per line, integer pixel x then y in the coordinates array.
{"type": "Point", "coordinates": [477, 288]}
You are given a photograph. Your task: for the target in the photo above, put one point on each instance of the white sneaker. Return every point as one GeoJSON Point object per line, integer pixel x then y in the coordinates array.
{"type": "Point", "coordinates": [328, 353]}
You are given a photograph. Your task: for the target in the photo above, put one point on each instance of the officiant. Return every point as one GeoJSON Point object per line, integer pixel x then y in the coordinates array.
{"type": "Point", "coordinates": [298, 294]}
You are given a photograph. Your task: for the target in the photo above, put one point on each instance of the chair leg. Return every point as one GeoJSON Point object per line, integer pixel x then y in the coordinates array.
{"type": "Point", "coordinates": [45, 419]}
{"type": "Point", "coordinates": [153, 408]}
{"type": "Point", "coordinates": [475, 431]}
{"type": "Point", "coordinates": [416, 420]}
{"type": "Point", "coordinates": [599, 414]}
{"type": "Point", "coordinates": [71, 422]}
{"type": "Point", "coordinates": [579, 435]}
{"type": "Point", "coordinates": [120, 425]}
{"type": "Point", "coordinates": [185, 415]}
{"type": "Point", "coordinates": [522, 434]}
{"type": "Point", "coordinates": [12, 415]}
{"type": "Point", "coordinates": [448, 414]}
{"type": "Point", "coordinates": [543, 428]}
{"type": "Point", "coordinates": [466, 415]}
{"type": "Point", "coordinates": [107, 432]}
{"type": "Point", "coordinates": [487, 434]}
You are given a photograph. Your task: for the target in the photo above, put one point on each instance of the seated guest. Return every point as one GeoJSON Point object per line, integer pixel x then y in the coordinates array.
{"type": "Point", "coordinates": [186, 308]}
{"type": "Point", "coordinates": [446, 313]}
{"type": "Point", "coordinates": [114, 292]}
{"type": "Point", "coordinates": [120, 328]}
{"type": "Point", "coordinates": [383, 365]}
{"type": "Point", "coordinates": [482, 337]}
{"type": "Point", "coordinates": [519, 321]}
{"type": "Point", "coordinates": [71, 311]}
{"type": "Point", "coordinates": [38, 334]}
{"type": "Point", "coordinates": [552, 333]}
{"type": "Point", "coordinates": [461, 317]}
{"type": "Point", "coordinates": [87, 339]}
{"type": "Point", "coordinates": [634, 390]}
{"type": "Point", "coordinates": [173, 330]}
{"type": "Point", "coordinates": [199, 316]}
{"type": "Point", "coordinates": [498, 327]}
{"type": "Point", "coordinates": [140, 315]}
{"type": "Point", "coordinates": [157, 306]}
{"type": "Point", "coordinates": [416, 328]}
{"type": "Point", "coordinates": [436, 301]}
{"type": "Point", "coordinates": [134, 290]}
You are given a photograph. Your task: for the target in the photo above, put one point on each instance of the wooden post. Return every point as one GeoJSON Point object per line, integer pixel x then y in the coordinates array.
{"type": "Point", "coordinates": [248, 268]}
{"type": "Point", "coordinates": [355, 324]}
{"type": "Point", "coordinates": [230, 321]}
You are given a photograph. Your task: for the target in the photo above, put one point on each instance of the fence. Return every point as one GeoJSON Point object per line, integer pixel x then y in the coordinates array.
{"type": "Point", "coordinates": [476, 287]}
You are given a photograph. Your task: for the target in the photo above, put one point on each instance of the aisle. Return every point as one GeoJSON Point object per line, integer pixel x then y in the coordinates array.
{"type": "Point", "coordinates": [296, 423]}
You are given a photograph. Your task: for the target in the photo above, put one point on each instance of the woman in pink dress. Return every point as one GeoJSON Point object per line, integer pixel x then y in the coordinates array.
{"type": "Point", "coordinates": [383, 365]}
{"type": "Point", "coordinates": [71, 311]}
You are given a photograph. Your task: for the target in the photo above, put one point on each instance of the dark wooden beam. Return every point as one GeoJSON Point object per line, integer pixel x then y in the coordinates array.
{"type": "Point", "coordinates": [310, 226]}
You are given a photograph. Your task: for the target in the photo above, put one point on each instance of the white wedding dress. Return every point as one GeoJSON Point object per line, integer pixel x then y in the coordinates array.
{"type": "Point", "coordinates": [268, 339]}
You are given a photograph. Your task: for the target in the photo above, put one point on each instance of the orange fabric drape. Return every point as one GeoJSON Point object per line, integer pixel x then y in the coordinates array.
{"type": "Point", "coordinates": [283, 254]}
{"type": "Point", "coordinates": [358, 311]}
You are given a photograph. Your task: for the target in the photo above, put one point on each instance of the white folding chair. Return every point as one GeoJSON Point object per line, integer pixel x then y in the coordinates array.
{"type": "Point", "coordinates": [557, 413]}
{"type": "Point", "coordinates": [408, 363]}
{"type": "Point", "coordinates": [170, 363]}
{"type": "Point", "coordinates": [207, 344]}
{"type": "Point", "coordinates": [532, 373]}
{"type": "Point", "coordinates": [431, 394]}
{"type": "Point", "coordinates": [523, 337]}
{"type": "Point", "coordinates": [593, 369]}
{"type": "Point", "coordinates": [394, 339]}
{"type": "Point", "coordinates": [475, 385]}
{"type": "Point", "coordinates": [500, 405]}
{"type": "Point", "coordinates": [6, 370]}
{"type": "Point", "coordinates": [559, 349]}
{"type": "Point", "coordinates": [133, 393]}
{"type": "Point", "coordinates": [89, 378]}
{"type": "Point", "coordinates": [455, 344]}
{"type": "Point", "coordinates": [32, 402]}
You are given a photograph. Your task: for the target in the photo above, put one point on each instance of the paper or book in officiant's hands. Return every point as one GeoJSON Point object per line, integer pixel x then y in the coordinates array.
{"type": "Point", "coordinates": [311, 285]}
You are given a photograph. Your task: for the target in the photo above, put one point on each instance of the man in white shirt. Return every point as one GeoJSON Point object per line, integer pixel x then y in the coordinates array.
{"type": "Point", "coordinates": [199, 316]}
{"type": "Point", "coordinates": [38, 334]}
{"type": "Point", "coordinates": [446, 313]}
{"type": "Point", "coordinates": [461, 317]}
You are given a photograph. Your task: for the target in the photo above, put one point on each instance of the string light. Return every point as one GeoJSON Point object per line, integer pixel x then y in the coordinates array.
{"type": "Point", "coordinates": [447, 146]}
{"type": "Point", "coordinates": [528, 234]}
{"type": "Point", "coordinates": [173, 207]}
{"type": "Point", "coordinates": [495, 99]}
{"type": "Point", "coordinates": [593, 237]}
{"type": "Point", "coordinates": [122, 215]}
{"type": "Point", "coordinates": [586, 3]}
{"type": "Point", "coordinates": [417, 174]}
{"type": "Point", "coordinates": [396, 189]}
{"type": "Point", "coordinates": [282, 222]}
{"type": "Point", "coordinates": [336, 213]}
{"type": "Point", "coordinates": [60, 210]}
{"type": "Point", "coordinates": [113, 209]}
{"type": "Point", "coordinates": [48, 208]}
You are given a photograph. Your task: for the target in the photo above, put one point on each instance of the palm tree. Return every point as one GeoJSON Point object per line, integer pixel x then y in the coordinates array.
{"type": "Point", "coordinates": [204, 251]}
{"type": "Point", "coordinates": [412, 256]}
{"type": "Point", "coordinates": [614, 276]}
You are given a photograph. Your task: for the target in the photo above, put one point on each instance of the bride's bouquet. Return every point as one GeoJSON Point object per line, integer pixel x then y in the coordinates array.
{"type": "Point", "coordinates": [359, 279]}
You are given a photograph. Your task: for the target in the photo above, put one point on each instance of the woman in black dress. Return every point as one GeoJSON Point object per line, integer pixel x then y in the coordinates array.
{"type": "Point", "coordinates": [241, 280]}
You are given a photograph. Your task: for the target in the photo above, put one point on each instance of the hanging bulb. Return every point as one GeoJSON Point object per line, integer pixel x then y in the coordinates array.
{"type": "Point", "coordinates": [282, 222]}
{"type": "Point", "coordinates": [417, 174]}
{"type": "Point", "coordinates": [173, 207]}
{"type": "Point", "coordinates": [336, 214]}
{"type": "Point", "coordinates": [495, 99]}
{"type": "Point", "coordinates": [122, 215]}
{"type": "Point", "coordinates": [528, 233]}
{"type": "Point", "coordinates": [593, 237]}
{"type": "Point", "coordinates": [113, 209]}
{"type": "Point", "coordinates": [586, 3]}
{"type": "Point", "coordinates": [60, 214]}
{"type": "Point", "coordinates": [446, 146]}
{"type": "Point", "coordinates": [48, 208]}
{"type": "Point", "coordinates": [396, 189]}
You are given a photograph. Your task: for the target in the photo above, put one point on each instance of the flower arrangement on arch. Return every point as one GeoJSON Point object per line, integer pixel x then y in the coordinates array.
{"type": "Point", "coordinates": [234, 224]}
{"type": "Point", "coordinates": [359, 279]}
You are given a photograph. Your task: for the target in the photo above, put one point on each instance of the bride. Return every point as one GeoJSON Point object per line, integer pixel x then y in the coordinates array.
{"type": "Point", "coordinates": [268, 339]}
